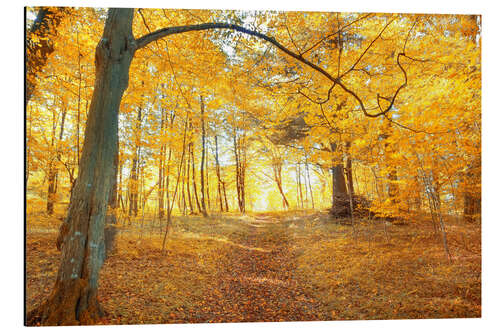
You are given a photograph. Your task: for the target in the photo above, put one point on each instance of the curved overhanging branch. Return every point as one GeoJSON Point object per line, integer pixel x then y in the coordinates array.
{"type": "Point", "coordinates": [155, 35]}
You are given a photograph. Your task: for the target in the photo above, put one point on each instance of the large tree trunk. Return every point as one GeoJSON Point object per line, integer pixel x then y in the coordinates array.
{"type": "Point", "coordinates": [74, 297]}
{"type": "Point", "coordinates": [110, 229]}
{"type": "Point", "coordinates": [340, 197]}
{"type": "Point", "coordinates": [339, 186]}
{"type": "Point", "coordinates": [338, 180]}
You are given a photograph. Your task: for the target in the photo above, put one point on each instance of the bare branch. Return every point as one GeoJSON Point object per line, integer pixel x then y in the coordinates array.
{"type": "Point", "coordinates": [334, 33]}
{"type": "Point", "coordinates": [143, 19]}
{"type": "Point", "coordinates": [413, 129]}
{"type": "Point", "coordinates": [151, 37]}
{"type": "Point", "coordinates": [291, 38]}
{"type": "Point", "coordinates": [319, 102]}
{"type": "Point", "coordinates": [366, 50]}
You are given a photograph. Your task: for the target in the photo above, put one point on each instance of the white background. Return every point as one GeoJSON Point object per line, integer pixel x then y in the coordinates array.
{"type": "Point", "coordinates": [12, 169]}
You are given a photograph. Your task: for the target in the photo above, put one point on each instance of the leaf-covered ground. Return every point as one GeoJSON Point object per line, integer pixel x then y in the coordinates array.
{"type": "Point", "coordinates": [276, 267]}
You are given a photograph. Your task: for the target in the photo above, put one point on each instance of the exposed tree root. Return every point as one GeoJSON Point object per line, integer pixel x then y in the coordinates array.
{"type": "Point", "coordinates": [72, 303]}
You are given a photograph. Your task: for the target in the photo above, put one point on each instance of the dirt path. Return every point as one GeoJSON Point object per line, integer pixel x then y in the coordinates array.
{"type": "Point", "coordinates": [253, 279]}
{"type": "Point", "coordinates": [256, 279]}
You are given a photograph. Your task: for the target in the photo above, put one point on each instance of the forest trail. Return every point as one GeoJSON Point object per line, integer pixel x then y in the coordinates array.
{"type": "Point", "coordinates": [256, 281]}
{"type": "Point", "coordinates": [291, 266]}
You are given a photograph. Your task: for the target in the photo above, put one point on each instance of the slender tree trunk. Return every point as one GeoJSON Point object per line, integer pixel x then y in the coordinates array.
{"type": "Point", "coordinates": [207, 178]}
{"type": "Point", "coordinates": [225, 196]}
{"type": "Point", "coordinates": [217, 172]}
{"type": "Point", "coordinates": [308, 175]}
{"type": "Point", "coordinates": [277, 164]}
{"type": "Point", "coordinates": [240, 186]}
{"type": "Point", "coordinates": [170, 205]}
{"type": "Point", "coordinates": [79, 100]}
{"type": "Point", "coordinates": [161, 169]}
{"type": "Point", "coordinates": [350, 180]}
{"type": "Point", "coordinates": [202, 162]}
{"type": "Point", "coordinates": [134, 173]}
{"type": "Point", "coordinates": [52, 173]}
{"type": "Point", "coordinates": [184, 204]}
{"type": "Point", "coordinates": [286, 205]}
{"type": "Point", "coordinates": [188, 166]}
{"type": "Point", "coordinates": [53, 170]}
{"type": "Point", "coordinates": [472, 192]}
{"type": "Point", "coordinates": [435, 207]}
{"type": "Point", "coordinates": [120, 188]}
{"type": "Point", "coordinates": [51, 190]}
{"type": "Point", "coordinates": [193, 176]}
{"type": "Point", "coordinates": [392, 188]}
{"type": "Point", "coordinates": [243, 166]}
{"type": "Point", "coordinates": [73, 299]}
{"type": "Point", "coordinates": [299, 184]}
{"type": "Point", "coordinates": [221, 182]}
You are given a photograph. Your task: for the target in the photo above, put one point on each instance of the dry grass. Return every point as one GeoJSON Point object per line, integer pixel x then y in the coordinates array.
{"type": "Point", "coordinates": [399, 271]}
{"type": "Point", "coordinates": [401, 274]}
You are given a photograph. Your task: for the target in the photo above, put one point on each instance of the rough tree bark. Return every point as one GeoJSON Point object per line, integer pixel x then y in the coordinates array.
{"type": "Point", "coordinates": [74, 296]}
{"type": "Point", "coordinates": [338, 180]}
{"type": "Point", "coordinates": [340, 197]}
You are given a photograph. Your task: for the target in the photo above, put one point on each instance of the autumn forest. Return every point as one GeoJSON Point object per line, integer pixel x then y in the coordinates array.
{"type": "Point", "coordinates": [196, 166]}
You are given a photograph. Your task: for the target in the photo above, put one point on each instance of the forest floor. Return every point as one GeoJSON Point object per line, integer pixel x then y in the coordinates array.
{"type": "Point", "coordinates": [294, 266]}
